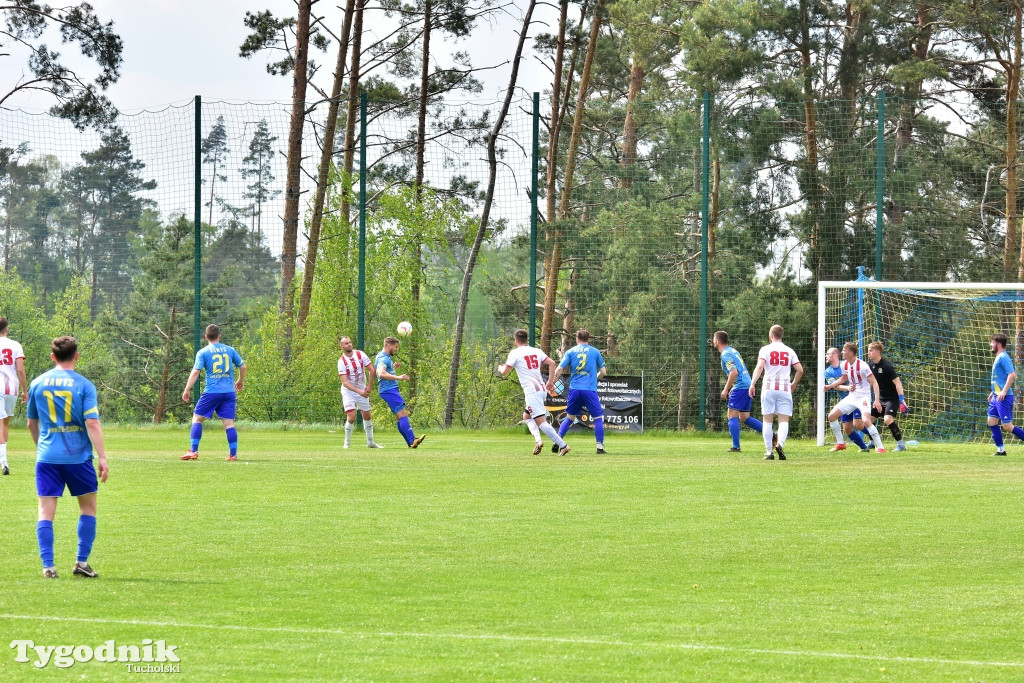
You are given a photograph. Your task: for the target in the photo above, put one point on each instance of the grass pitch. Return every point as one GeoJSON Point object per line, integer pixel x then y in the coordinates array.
{"type": "Point", "coordinates": [472, 559]}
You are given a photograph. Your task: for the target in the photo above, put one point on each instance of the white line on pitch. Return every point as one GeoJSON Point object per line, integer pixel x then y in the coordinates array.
{"type": "Point", "coordinates": [529, 639]}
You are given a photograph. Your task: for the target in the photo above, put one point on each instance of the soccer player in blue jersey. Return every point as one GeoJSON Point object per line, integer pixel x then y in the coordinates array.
{"type": "Point", "coordinates": [64, 421]}
{"type": "Point", "coordinates": [1000, 401]}
{"type": "Point", "coordinates": [387, 388]}
{"type": "Point", "coordinates": [737, 384]}
{"type": "Point", "coordinates": [585, 366]}
{"type": "Point", "coordinates": [218, 361]}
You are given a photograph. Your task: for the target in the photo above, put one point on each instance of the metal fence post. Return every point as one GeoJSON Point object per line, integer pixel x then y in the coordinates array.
{"type": "Point", "coordinates": [362, 219]}
{"type": "Point", "coordinates": [197, 247]}
{"type": "Point", "coordinates": [879, 185]}
{"type": "Point", "coordinates": [704, 224]}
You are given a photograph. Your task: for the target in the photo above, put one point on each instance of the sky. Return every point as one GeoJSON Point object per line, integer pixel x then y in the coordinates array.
{"type": "Point", "coordinates": [176, 49]}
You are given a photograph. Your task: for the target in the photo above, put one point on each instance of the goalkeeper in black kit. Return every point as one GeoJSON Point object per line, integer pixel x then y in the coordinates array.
{"type": "Point", "coordinates": [890, 390]}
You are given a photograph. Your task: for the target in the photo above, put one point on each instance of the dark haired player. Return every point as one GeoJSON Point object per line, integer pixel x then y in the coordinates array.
{"type": "Point", "coordinates": [64, 421]}
{"type": "Point", "coordinates": [218, 361]}
{"type": "Point", "coordinates": [527, 362]}
{"type": "Point", "coordinates": [1000, 401]}
{"type": "Point", "coordinates": [890, 392]}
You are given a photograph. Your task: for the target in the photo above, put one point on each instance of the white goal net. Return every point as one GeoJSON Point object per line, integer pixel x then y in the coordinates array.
{"type": "Point", "coordinates": [936, 335]}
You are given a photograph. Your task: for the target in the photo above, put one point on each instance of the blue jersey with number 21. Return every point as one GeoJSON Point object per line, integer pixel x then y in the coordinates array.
{"type": "Point", "coordinates": [583, 361]}
{"type": "Point", "coordinates": [62, 400]}
{"type": "Point", "coordinates": [218, 361]}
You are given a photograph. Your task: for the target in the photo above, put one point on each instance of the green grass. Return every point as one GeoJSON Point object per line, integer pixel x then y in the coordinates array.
{"type": "Point", "coordinates": [471, 559]}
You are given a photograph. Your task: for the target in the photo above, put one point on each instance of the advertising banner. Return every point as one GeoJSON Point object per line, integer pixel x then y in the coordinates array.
{"type": "Point", "coordinates": [621, 397]}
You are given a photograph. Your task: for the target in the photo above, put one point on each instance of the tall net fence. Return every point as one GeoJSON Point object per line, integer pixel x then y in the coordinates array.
{"type": "Point", "coordinates": [99, 240]}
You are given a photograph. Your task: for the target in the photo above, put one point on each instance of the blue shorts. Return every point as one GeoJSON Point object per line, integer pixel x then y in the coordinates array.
{"type": "Point", "coordinates": [739, 399]}
{"type": "Point", "coordinates": [1001, 409]}
{"type": "Point", "coordinates": [222, 404]}
{"type": "Point", "coordinates": [583, 398]}
{"type": "Point", "coordinates": [394, 400]}
{"type": "Point", "coordinates": [855, 415]}
{"type": "Point", "coordinates": [79, 478]}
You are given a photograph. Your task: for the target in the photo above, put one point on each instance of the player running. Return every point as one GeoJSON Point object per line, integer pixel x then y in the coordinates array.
{"type": "Point", "coordinates": [833, 372]}
{"type": "Point", "coordinates": [12, 376]}
{"type": "Point", "coordinates": [64, 421]}
{"type": "Point", "coordinates": [1000, 400]}
{"type": "Point", "coordinates": [353, 367]}
{"type": "Point", "coordinates": [527, 362]}
{"type": "Point", "coordinates": [890, 392]}
{"type": "Point", "coordinates": [857, 374]}
{"type": "Point", "coordinates": [775, 360]}
{"type": "Point", "coordinates": [586, 366]}
{"type": "Point", "coordinates": [387, 388]}
{"type": "Point", "coordinates": [218, 361]}
{"type": "Point", "coordinates": [736, 389]}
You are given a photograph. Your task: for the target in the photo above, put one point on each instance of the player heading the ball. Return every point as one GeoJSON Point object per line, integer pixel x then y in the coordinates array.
{"type": "Point", "coordinates": [527, 362]}
{"type": "Point", "coordinates": [776, 360]}
{"type": "Point", "coordinates": [218, 361]}
{"type": "Point", "coordinates": [387, 388]}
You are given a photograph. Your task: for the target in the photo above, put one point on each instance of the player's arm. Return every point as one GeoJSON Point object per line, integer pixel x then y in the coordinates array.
{"type": "Point", "coordinates": [898, 383]}
{"type": "Point", "coordinates": [796, 378]}
{"type": "Point", "coordinates": [241, 377]}
{"type": "Point", "coordinates": [758, 369]}
{"type": "Point", "coordinates": [371, 375]}
{"type": "Point", "coordinates": [840, 384]}
{"type": "Point", "coordinates": [192, 377]}
{"type": "Point", "coordinates": [33, 429]}
{"type": "Point", "coordinates": [505, 368]}
{"type": "Point", "coordinates": [382, 372]}
{"type": "Point", "coordinates": [874, 387]}
{"type": "Point", "coordinates": [1010, 379]}
{"type": "Point", "coordinates": [92, 425]}
{"type": "Point", "coordinates": [729, 381]}
{"type": "Point", "coordinates": [19, 363]}
{"type": "Point", "coordinates": [602, 372]}
{"type": "Point", "coordinates": [348, 385]}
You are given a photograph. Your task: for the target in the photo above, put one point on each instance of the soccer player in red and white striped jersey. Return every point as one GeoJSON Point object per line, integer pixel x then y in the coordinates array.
{"type": "Point", "coordinates": [353, 367]}
{"type": "Point", "coordinates": [12, 378]}
{"type": "Point", "coordinates": [776, 360]}
{"type": "Point", "coordinates": [527, 362]}
{"type": "Point", "coordinates": [858, 376]}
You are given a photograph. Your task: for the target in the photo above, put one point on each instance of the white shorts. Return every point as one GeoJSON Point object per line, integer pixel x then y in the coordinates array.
{"type": "Point", "coordinates": [7, 404]}
{"type": "Point", "coordinates": [776, 402]}
{"type": "Point", "coordinates": [852, 403]}
{"type": "Point", "coordinates": [350, 400]}
{"type": "Point", "coordinates": [535, 401]}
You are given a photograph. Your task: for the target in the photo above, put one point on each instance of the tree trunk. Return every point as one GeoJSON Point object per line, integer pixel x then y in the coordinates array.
{"type": "Point", "coordinates": [636, 81]}
{"type": "Point", "coordinates": [551, 285]}
{"type": "Point", "coordinates": [716, 203]}
{"type": "Point", "coordinates": [323, 175]}
{"type": "Point", "coordinates": [353, 105]}
{"type": "Point", "coordinates": [293, 176]}
{"type": "Point", "coordinates": [161, 401]}
{"type": "Point", "coordinates": [1012, 111]}
{"type": "Point", "coordinates": [481, 231]}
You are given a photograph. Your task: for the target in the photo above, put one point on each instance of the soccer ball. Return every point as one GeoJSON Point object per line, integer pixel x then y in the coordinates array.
{"type": "Point", "coordinates": [405, 328]}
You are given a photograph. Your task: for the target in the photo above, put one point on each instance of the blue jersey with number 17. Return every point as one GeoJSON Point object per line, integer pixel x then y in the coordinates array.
{"type": "Point", "coordinates": [62, 400]}
{"type": "Point", "coordinates": [218, 361]}
{"type": "Point", "coordinates": [583, 361]}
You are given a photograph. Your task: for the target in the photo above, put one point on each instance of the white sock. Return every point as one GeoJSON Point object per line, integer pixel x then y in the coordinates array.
{"type": "Point", "coordinates": [532, 426]}
{"type": "Point", "coordinates": [368, 428]}
{"type": "Point", "coordinates": [349, 426]}
{"type": "Point", "coordinates": [783, 432]}
{"type": "Point", "coordinates": [3, 455]}
{"type": "Point", "coordinates": [766, 432]}
{"type": "Point", "coordinates": [837, 429]}
{"type": "Point", "coordinates": [552, 434]}
{"type": "Point", "coordinates": [876, 438]}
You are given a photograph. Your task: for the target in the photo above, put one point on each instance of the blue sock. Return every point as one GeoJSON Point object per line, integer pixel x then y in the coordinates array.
{"type": "Point", "coordinates": [599, 430]}
{"type": "Point", "coordinates": [563, 428]}
{"type": "Point", "coordinates": [734, 430]}
{"type": "Point", "coordinates": [997, 435]}
{"type": "Point", "coordinates": [196, 434]}
{"type": "Point", "coordinates": [44, 532]}
{"type": "Point", "coordinates": [754, 424]}
{"type": "Point", "coordinates": [1019, 433]}
{"type": "Point", "coordinates": [86, 536]}
{"type": "Point", "coordinates": [232, 435]}
{"type": "Point", "coordinates": [856, 438]}
{"type": "Point", "coordinates": [406, 430]}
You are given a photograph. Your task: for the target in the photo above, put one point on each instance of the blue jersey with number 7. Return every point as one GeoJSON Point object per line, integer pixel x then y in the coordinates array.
{"type": "Point", "coordinates": [583, 361]}
{"type": "Point", "coordinates": [218, 361]}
